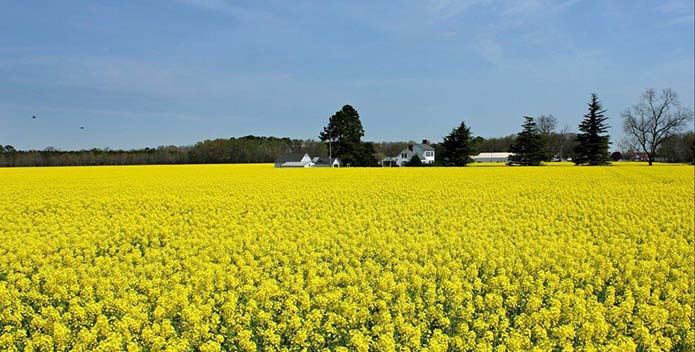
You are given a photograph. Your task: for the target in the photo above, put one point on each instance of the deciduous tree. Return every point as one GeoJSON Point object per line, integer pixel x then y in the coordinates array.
{"type": "Point", "coordinates": [654, 119]}
{"type": "Point", "coordinates": [546, 127]}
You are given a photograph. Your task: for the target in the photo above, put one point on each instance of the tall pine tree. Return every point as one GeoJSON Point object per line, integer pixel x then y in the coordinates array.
{"type": "Point", "coordinates": [458, 146]}
{"type": "Point", "coordinates": [345, 133]}
{"type": "Point", "coordinates": [528, 145]}
{"type": "Point", "coordinates": [592, 139]}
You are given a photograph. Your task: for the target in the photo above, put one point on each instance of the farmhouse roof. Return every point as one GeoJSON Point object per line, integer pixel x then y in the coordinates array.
{"type": "Point", "coordinates": [324, 160]}
{"type": "Point", "coordinates": [289, 157]}
{"type": "Point", "coordinates": [424, 146]}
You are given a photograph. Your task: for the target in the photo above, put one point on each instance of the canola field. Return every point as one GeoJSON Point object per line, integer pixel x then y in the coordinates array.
{"type": "Point", "coordinates": [252, 258]}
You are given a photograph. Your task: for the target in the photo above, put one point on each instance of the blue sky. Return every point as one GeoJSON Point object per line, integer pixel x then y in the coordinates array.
{"type": "Point", "coordinates": [148, 73]}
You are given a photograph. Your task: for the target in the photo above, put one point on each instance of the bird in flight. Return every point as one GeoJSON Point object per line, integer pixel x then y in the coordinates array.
{"type": "Point", "coordinates": [33, 117]}
{"type": "Point", "coordinates": [81, 127]}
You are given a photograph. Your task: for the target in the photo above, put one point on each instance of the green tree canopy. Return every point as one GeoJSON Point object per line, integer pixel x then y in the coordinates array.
{"type": "Point", "coordinates": [458, 146]}
{"type": "Point", "coordinates": [592, 139]}
{"type": "Point", "coordinates": [528, 145]}
{"type": "Point", "coordinates": [414, 161]}
{"type": "Point", "coordinates": [345, 132]}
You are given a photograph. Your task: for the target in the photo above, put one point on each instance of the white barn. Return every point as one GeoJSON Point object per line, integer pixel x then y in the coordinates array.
{"type": "Point", "coordinates": [294, 160]}
{"type": "Point", "coordinates": [492, 157]}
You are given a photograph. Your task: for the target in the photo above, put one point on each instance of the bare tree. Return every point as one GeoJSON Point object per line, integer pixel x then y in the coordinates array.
{"type": "Point", "coordinates": [654, 119]}
{"type": "Point", "coordinates": [551, 143]}
{"type": "Point", "coordinates": [546, 124]}
{"type": "Point", "coordinates": [546, 128]}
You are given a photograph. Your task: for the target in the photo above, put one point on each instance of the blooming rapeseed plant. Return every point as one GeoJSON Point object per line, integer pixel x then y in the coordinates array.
{"type": "Point", "coordinates": [248, 258]}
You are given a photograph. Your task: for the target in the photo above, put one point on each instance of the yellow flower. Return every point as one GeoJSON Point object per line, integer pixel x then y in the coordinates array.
{"type": "Point", "coordinates": [248, 258]}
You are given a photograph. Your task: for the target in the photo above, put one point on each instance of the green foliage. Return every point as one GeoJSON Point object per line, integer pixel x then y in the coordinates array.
{"type": "Point", "coordinates": [414, 161]}
{"type": "Point", "coordinates": [592, 147]}
{"type": "Point", "coordinates": [494, 144]}
{"type": "Point", "coordinates": [678, 148]}
{"type": "Point", "coordinates": [365, 155]}
{"type": "Point", "coordinates": [458, 146]}
{"type": "Point", "coordinates": [528, 145]}
{"type": "Point", "coordinates": [345, 133]}
{"type": "Point", "coordinates": [247, 149]}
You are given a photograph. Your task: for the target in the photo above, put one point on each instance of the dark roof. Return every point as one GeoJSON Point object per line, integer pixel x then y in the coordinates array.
{"type": "Point", "coordinates": [324, 160]}
{"type": "Point", "coordinates": [418, 148]}
{"type": "Point", "coordinates": [289, 157]}
{"type": "Point", "coordinates": [425, 146]}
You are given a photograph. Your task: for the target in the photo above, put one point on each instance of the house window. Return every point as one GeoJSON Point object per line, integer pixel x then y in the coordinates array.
{"type": "Point", "coordinates": [404, 155]}
{"type": "Point", "coordinates": [429, 154]}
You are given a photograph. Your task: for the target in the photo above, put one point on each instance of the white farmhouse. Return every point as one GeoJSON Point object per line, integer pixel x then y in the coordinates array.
{"type": "Point", "coordinates": [492, 157]}
{"type": "Point", "coordinates": [424, 151]}
{"type": "Point", "coordinates": [294, 160]}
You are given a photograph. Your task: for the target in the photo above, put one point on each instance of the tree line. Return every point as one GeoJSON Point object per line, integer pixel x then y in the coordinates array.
{"type": "Point", "coordinates": [247, 149]}
{"type": "Point", "coordinates": [653, 128]}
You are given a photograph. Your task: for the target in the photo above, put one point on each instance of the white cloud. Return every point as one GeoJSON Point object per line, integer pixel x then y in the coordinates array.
{"type": "Point", "coordinates": [679, 11]}
{"type": "Point", "coordinates": [225, 7]}
{"type": "Point", "coordinates": [523, 22]}
{"type": "Point", "coordinates": [684, 19]}
{"type": "Point", "coordinates": [675, 6]}
{"type": "Point", "coordinates": [447, 9]}
{"type": "Point", "coordinates": [511, 8]}
{"type": "Point", "coordinates": [489, 46]}
{"type": "Point", "coordinates": [142, 81]}
{"type": "Point", "coordinates": [446, 35]}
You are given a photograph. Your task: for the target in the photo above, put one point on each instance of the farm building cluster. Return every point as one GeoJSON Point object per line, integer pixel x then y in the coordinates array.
{"type": "Point", "coordinates": [305, 160]}
{"type": "Point", "coordinates": [424, 151]}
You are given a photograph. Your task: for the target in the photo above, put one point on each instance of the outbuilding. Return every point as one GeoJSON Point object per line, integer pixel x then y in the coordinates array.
{"type": "Point", "coordinates": [294, 160]}
{"type": "Point", "coordinates": [324, 161]}
{"type": "Point", "coordinates": [492, 157]}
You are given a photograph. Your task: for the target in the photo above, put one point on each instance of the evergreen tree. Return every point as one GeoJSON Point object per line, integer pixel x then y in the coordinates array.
{"type": "Point", "coordinates": [415, 161]}
{"type": "Point", "coordinates": [592, 140]}
{"type": "Point", "coordinates": [458, 146]}
{"type": "Point", "coordinates": [364, 156]}
{"type": "Point", "coordinates": [528, 145]}
{"type": "Point", "coordinates": [345, 133]}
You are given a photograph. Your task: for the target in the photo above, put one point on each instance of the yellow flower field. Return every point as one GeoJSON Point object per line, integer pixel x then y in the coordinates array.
{"type": "Point", "coordinates": [250, 258]}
